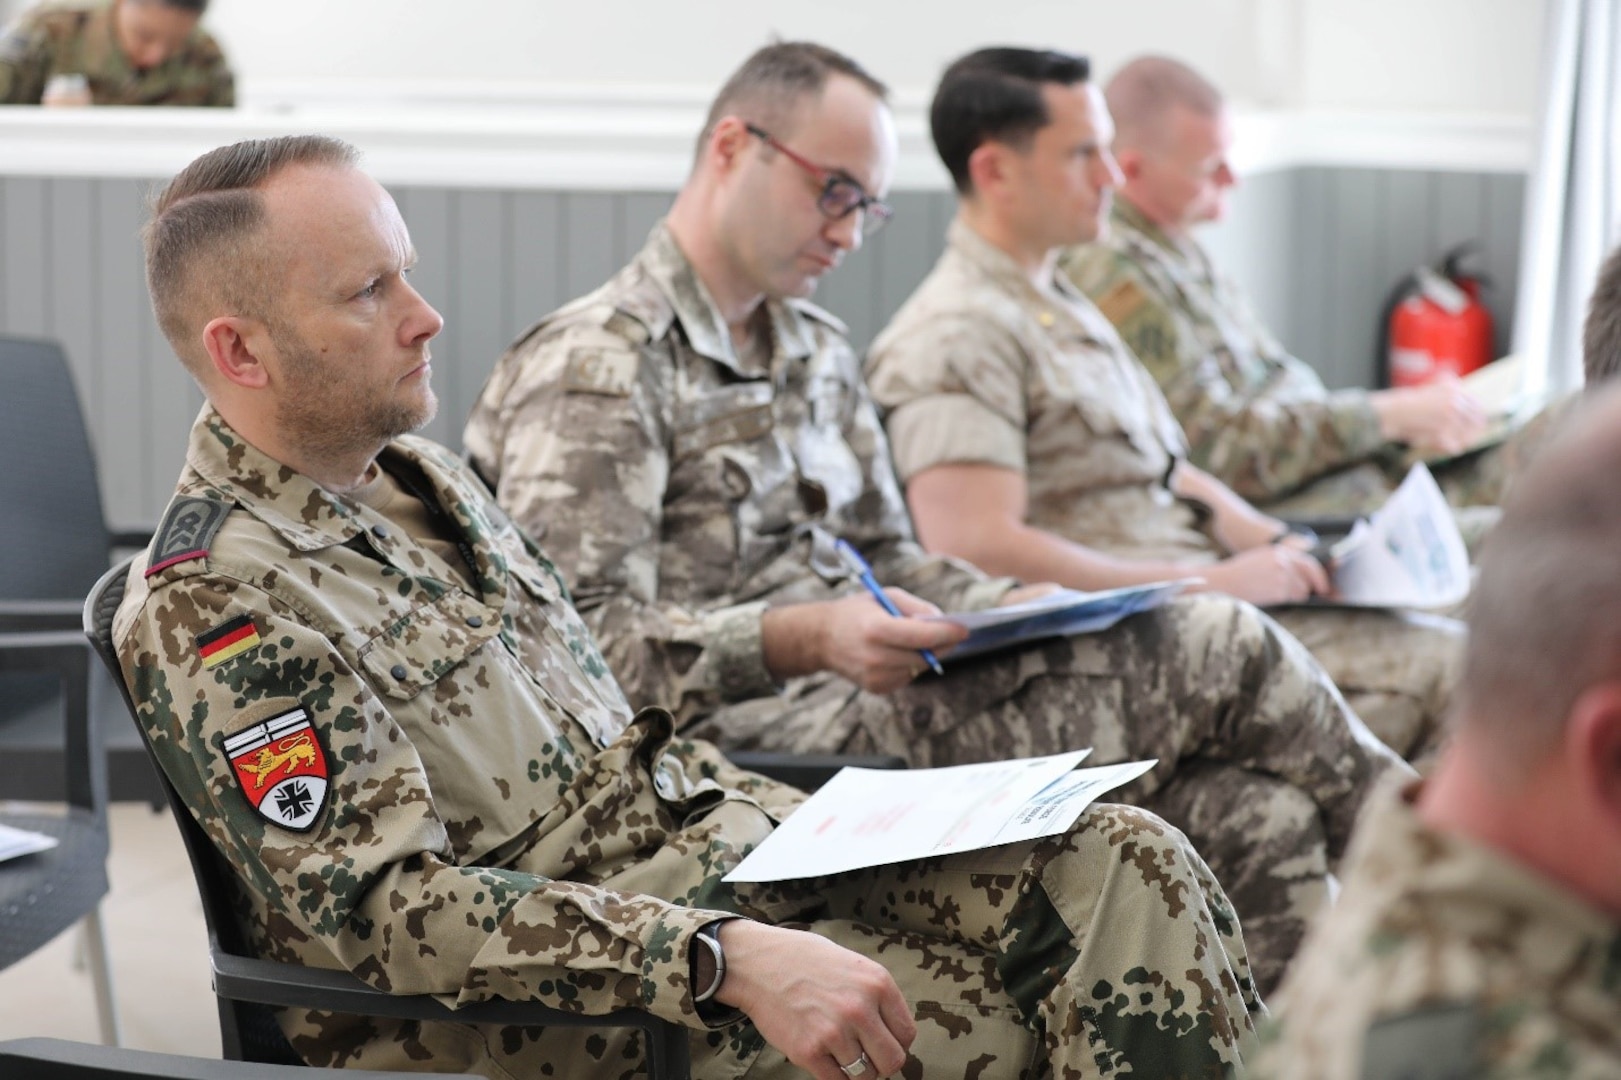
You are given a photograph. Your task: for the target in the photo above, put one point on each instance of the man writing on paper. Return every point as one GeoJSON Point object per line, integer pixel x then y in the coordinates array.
{"type": "Point", "coordinates": [121, 52]}
{"type": "Point", "coordinates": [1257, 418]}
{"type": "Point", "coordinates": [692, 439]}
{"type": "Point", "coordinates": [1479, 930]}
{"type": "Point", "coordinates": [373, 693]}
{"type": "Point", "coordinates": [1031, 441]}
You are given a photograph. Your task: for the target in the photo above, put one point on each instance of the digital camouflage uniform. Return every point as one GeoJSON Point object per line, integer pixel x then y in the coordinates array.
{"type": "Point", "coordinates": [49, 41]}
{"type": "Point", "coordinates": [980, 366]}
{"type": "Point", "coordinates": [1446, 959]}
{"type": "Point", "coordinates": [683, 490]}
{"type": "Point", "coordinates": [473, 810]}
{"type": "Point", "coordinates": [1257, 418]}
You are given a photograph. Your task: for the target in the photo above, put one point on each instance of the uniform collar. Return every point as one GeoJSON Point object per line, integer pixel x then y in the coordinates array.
{"type": "Point", "coordinates": [1130, 221]}
{"type": "Point", "coordinates": [668, 267]}
{"type": "Point", "coordinates": [302, 512]}
{"type": "Point", "coordinates": [1395, 846]}
{"type": "Point", "coordinates": [1005, 271]}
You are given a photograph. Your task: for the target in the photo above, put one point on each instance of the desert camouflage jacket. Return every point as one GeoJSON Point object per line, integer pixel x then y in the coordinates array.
{"type": "Point", "coordinates": [982, 366]}
{"type": "Point", "coordinates": [683, 489]}
{"type": "Point", "coordinates": [1256, 417]}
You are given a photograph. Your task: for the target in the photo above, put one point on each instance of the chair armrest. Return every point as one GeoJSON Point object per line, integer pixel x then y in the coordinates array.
{"type": "Point", "coordinates": [269, 982]}
{"type": "Point", "coordinates": [67, 655]}
{"type": "Point", "coordinates": [807, 772]}
{"type": "Point", "coordinates": [138, 537]}
{"type": "Point", "coordinates": [34, 615]}
{"type": "Point", "coordinates": [1324, 525]}
{"type": "Point", "coordinates": [59, 1059]}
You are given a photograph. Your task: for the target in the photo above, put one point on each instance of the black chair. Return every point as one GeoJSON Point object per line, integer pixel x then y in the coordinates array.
{"type": "Point", "coordinates": [44, 893]}
{"type": "Point", "coordinates": [244, 985]}
{"type": "Point", "coordinates": [57, 544]}
{"type": "Point", "coordinates": [59, 1059]}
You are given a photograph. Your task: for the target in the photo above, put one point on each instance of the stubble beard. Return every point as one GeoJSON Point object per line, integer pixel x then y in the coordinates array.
{"type": "Point", "coordinates": [331, 423]}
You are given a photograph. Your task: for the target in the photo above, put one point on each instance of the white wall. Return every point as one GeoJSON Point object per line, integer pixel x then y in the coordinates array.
{"type": "Point", "coordinates": [1411, 55]}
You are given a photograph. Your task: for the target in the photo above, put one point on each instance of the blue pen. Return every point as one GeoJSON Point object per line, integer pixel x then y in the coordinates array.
{"type": "Point", "coordinates": [858, 566]}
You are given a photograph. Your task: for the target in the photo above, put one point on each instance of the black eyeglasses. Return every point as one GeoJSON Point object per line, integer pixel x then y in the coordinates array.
{"type": "Point", "coordinates": [841, 196]}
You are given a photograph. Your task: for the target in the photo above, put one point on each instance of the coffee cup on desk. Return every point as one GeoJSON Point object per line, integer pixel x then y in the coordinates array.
{"type": "Point", "coordinates": [67, 90]}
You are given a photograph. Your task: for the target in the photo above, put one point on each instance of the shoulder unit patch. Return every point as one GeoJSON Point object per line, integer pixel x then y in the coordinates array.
{"type": "Point", "coordinates": [187, 529]}
{"type": "Point", "coordinates": [1121, 302]}
{"type": "Point", "coordinates": [281, 768]}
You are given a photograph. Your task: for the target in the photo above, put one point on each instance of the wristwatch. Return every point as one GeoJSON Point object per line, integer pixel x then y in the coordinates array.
{"type": "Point", "coordinates": [708, 937]}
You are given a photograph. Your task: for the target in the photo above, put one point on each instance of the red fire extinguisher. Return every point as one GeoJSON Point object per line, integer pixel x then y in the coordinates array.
{"type": "Point", "coordinates": [1436, 323]}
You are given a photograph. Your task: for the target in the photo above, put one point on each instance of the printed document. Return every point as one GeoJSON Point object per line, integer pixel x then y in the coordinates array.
{"type": "Point", "coordinates": [1407, 554]}
{"type": "Point", "coordinates": [1058, 614]}
{"type": "Point", "coordinates": [15, 843]}
{"type": "Point", "coordinates": [1503, 390]}
{"type": "Point", "coordinates": [873, 817]}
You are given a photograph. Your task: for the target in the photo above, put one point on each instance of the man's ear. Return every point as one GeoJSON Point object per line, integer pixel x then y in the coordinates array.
{"type": "Point", "coordinates": [988, 168]}
{"type": "Point", "coordinates": [1130, 160]}
{"type": "Point", "coordinates": [1592, 748]}
{"type": "Point", "coordinates": [235, 344]}
{"type": "Point", "coordinates": [724, 147]}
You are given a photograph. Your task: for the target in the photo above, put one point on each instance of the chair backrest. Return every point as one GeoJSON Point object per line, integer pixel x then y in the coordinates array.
{"type": "Point", "coordinates": [52, 531]}
{"type": "Point", "coordinates": [248, 1031]}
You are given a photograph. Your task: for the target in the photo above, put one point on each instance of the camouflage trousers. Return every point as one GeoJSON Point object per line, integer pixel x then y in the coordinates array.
{"type": "Point", "coordinates": [1106, 951]}
{"type": "Point", "coordinates": [1261, 762]}
{"type": "Point", "coordinates": [1398, 669]}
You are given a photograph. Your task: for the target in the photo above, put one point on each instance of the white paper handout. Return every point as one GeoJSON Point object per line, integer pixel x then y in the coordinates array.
{"type": "Point", "coordinates": [15, 843]}
{"type": "Point", "coordinates": [1058, 614]}
{"type": "Point", "coordinates": [872, 817]}
{"type": "Point", "coordinates": [1407, 554]}
{"type": "Point", "coordinates": [1503, 389]}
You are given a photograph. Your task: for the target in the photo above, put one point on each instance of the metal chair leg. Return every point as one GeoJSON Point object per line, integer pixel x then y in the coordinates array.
{"type": "Point", "coordinates": [101, 977]}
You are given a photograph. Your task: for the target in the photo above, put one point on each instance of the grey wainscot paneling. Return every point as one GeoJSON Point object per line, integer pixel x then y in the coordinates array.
{"type": "Point", "coordinates": [1318, 249]}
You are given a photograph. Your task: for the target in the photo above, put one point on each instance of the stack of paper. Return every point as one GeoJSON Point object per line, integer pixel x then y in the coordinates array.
{"type": "Point", "coordinates": [1503, 390]}
{"type": "Point", "coordinates": [872, 817]}
{"type": "Point", "coordinates": [1058, 614]}
{"type": "Point", "coordinates": [18, 842]}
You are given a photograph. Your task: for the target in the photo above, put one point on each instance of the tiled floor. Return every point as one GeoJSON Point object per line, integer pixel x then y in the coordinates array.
{"type": "Point", "coordinates": [158, 948]}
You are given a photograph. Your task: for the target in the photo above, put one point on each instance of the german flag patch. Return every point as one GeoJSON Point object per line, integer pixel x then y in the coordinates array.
{"type": "Point", "coordinates": [231, 638]}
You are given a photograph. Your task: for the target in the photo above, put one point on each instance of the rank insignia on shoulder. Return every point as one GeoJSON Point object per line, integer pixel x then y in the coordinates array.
{"type": "Point", "coordinates": [187, 529]}
{"type": "Point", "coordinates": [282, 769]}
{"type": "Point", "coordinates": [1121, 302]}
{"type": "Point", "coordinates": [231, 638]}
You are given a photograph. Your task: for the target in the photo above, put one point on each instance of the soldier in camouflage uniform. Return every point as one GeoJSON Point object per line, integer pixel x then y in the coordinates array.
{"type": "Point", "coordinates": [374, 694]}
{"type": "Point", "coordinates": [709, 453]}
{"type": "Point", "coordinates": [1256, 417]}
{"type": "Point", "coordinates": [1009, 392]}
{"type": "Point", "coordinates": [1479, 930]}
{"type": "Point", "coordinates": [130, 52]}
